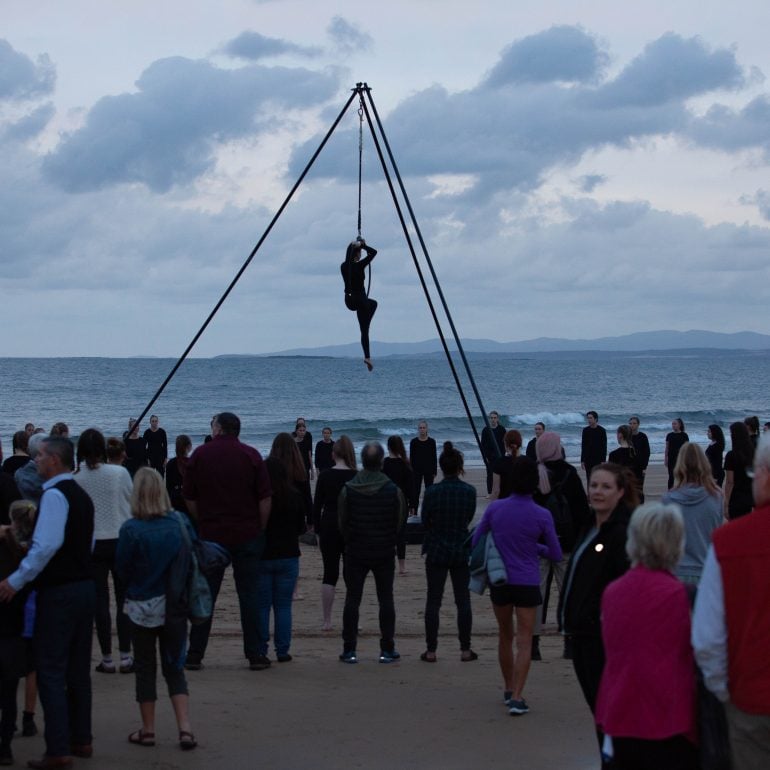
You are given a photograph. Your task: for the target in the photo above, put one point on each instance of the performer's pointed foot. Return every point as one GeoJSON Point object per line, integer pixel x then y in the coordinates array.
{"type": "Point", "coordinates": [369, 364]}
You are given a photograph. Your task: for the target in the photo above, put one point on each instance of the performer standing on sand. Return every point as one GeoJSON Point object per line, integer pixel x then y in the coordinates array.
{"type": "Point", "coordinates": [356, 298]}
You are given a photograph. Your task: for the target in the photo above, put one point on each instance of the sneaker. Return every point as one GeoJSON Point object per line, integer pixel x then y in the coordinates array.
{"type": "Point", "coordinates": [389, 656]}
{"type": "Point", "coordinates": [126, 666]}
{"type": "Point", "coordinates": [284, 657]}
{"type": "Point", "coordinates": [518, 707]}
{"type": "Point", "coordinates": [260, 663]}
{"type": "Point", "coordinates": [349, 657]}
{"type": "Point", "coordinates": [507, 697]}
{"type": "Point", "coordinates": [106, 668]}
{"type": "Point", "coordinates": [193, 663]}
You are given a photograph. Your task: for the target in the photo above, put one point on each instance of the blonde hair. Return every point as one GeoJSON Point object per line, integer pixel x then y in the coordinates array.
{"type": "Point", "coordinates": [656, 536]}
{"type": "Point", "coordinates": [692, 467]}
{"type": "Point", "coordinates": [149, 498]}
{"type": "Point", "coordinates": [22, 514]}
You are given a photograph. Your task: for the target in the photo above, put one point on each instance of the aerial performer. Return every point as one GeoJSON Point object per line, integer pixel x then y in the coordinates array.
{"type": "Point", "coordinates": [356, 296]}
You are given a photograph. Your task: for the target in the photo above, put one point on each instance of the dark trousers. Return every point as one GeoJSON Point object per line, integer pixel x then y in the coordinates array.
{"type": "Point", "coordinates": [490, 477]}
{"type": "Point", "coordinates": [588, 661]}
{"type": "Point", "coordinates": [103, 562]}
{"type": "Point", "coordinates": [356, 571]}
{"type": "Point", "coordinates": [245, 558]}
{"type": "Point", "coordinates": [172, 641]}
{"type": "Point", "coordinates": [676, 753]}
{"type": "Point", "coordinates": [365, 309]}
{"type": "Point", "coordinates": [436, 577]}
{"type": "Point", "coordinates": [332, 550]}
{"type": "Point", "coordinates": [419, 478]}
{"type": "Point", "coordinates": [63, 637]}
{"type": "Point", "coordinates": [8, 688]}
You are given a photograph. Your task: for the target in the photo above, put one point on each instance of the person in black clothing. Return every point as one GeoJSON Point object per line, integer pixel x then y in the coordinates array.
{"type": "Point", "coordinates": [352, 270]}
{"type": "Point", "coordinates": [492, 444]}
{"type": "Point", "coordinates": [625, 454]}
{"type": "Point", "coordinates": [674, 442]}
{"type": "Point", "coordinates": [175, 470]}
{"type": "Point", "coordinates": [642, 446]}
{"type": "Point", "coordinates": [593, 444]}
{"type": "Point", "coordinates": [396, 467]}
{"type": "Point", "coordinates": [599, 557]}
{"type": "Point", "coordinates": [739, 495]}
{"type": "Point", "coordinates": [323, 451]}
{"type": "Point", "coordinates": [752, 423]}
{"type": "Point", "coordinates": [423, 457]}
{"type": "Point", "coordinates": [19, 458]}
{"type": "Point", "coordinates": [327, 490]}
{"type": "Point", "coordinates": [715, 451]}
{"type": "Point", "coordinates": [304, 439]}
{"type": "Point", "coordinates": [556, 475]}
{"type": "Point", "coordinates": [156, 443]}
{"type": "Point", "coordinates": [502, 466]}
{"type": "Point", "coordinates": [371, 510]}
{"type": "Point", "coordinates": [136, 448]}
{"type": "Point", "coordinates": [531, 451]}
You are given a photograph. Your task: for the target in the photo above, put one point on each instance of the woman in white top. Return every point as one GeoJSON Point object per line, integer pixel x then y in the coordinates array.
{"type": "Point", "coordinates": [109, 486]}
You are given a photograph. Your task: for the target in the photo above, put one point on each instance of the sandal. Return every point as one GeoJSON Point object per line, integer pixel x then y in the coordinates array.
{"type": "Point", "coordinates": [428, 657]}
{"type": "Point", "coordinates": [187, 740]}
{"type": "Point", "coordinates": [466, 656]}
{"type": "Point", "coordinates": [141, 738]}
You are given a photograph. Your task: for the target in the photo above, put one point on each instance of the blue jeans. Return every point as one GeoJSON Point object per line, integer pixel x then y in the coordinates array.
{"type": "Point", "coordinates": [63, 638]}
{"type": "Point", "coordinates": [245, 558]}
{"type": "Point", "coordinates": [277, 578]}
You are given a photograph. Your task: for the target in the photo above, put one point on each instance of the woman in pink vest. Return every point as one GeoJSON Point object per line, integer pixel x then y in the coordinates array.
{"type": "Point", "coordinates": [646, 700]}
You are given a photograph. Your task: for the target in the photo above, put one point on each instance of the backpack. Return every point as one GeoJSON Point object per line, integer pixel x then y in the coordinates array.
{"type": "Point", "coordinates": [556, 502]}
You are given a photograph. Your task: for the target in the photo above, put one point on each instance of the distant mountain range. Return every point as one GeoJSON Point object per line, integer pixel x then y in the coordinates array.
{"type": "Point", "coordinates": [640, 342]}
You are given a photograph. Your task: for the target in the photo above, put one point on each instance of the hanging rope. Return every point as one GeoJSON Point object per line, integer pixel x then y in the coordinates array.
{"type": "Point", "coordinates": [360, 173]}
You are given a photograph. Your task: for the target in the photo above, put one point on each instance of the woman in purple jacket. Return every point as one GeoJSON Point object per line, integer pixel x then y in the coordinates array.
{"type": "Point", "coordinates": [523, 532]}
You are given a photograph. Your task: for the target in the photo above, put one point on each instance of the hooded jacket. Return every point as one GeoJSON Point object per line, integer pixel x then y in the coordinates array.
{"type": "Point", "coordinates": [702, 513]}
{"type": "Point", "coordinates": [371, 510]}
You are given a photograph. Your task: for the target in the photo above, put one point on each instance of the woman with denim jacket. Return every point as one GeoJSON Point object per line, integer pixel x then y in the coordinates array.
{"type": "Point", "coordinates": [148, 544]}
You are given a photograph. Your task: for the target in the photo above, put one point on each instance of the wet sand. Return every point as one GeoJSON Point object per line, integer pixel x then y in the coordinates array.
{"type": "Point", "coordinates": [315, 712]}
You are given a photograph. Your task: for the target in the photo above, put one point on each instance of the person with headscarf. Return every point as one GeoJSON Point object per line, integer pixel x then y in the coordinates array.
{"type": "Point", "coordinates": [559, 488]}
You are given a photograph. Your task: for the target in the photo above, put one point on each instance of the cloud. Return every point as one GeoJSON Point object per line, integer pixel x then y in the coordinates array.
{"type": "Point", "coordinates": [760, 199]}
{"type": "Point", "coordinates": [166, 133]}
{"type": "Point", "coordinates": [727, 129]}
{"type": "Point", "coordinates": [30, 125]}
{"type": "Point", "coordinates": [510, 137]}
{"type": "Point", "coordinates": [672, 69]}
{"type": "Point", "coordinates": [560, 53]}
{"type": "Point", "coordinates": [590, 182]}
{"type": "Point", "coordinates": [21, 78]}
{"type": "Point", "coordinates": [347, 37]}
{"type": "Point", "coordinates": [253, 46]}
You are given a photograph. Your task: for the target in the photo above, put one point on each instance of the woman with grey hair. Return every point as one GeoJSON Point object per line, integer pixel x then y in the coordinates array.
{"type": "Point", "coordinates": [646, 699]}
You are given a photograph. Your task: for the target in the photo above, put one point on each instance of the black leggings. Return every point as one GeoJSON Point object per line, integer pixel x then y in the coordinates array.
{"type": "Point", "coordinates": [332, 550]}
{"type": "Point", "coordinates": [365, 309]}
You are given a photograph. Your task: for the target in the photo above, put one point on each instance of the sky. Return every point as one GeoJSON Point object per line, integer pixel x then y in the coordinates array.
{"type": "Point", "coordinates": [575, 172]}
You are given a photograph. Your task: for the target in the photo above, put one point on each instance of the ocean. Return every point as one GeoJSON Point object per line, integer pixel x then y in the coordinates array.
{"type": "Point", "coordinates": [269, 393]}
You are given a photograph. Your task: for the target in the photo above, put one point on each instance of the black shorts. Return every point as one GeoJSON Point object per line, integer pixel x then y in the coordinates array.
{"type": "Point", "coordinates": [518, 596]}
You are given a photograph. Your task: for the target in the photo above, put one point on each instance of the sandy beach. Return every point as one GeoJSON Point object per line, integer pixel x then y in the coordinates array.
{"type": "Point", "coordinates": [316, 712]}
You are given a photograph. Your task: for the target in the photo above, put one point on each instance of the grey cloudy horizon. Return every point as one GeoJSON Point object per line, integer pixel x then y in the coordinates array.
{"type": "Point", "coordinates": [571, 179]}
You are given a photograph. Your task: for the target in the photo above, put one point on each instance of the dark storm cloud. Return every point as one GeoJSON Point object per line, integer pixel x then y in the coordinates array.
{"type": "Point", "coordinates": [166, 132]}
{"type": "Point", "coordinates": [508, 137]}
{"type": "Point", "coordinates": [21, 78]}
{"type": "Point", "coordinates": [560, 53]}
{"type": "Point", "coordinates": [347, 37]}
{"type": "Point", "coordinates": [254, 46]}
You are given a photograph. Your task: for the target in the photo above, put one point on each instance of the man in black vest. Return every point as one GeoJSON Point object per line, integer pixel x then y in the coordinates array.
{"type": "Point", "coordinates": [371, 510]}
{"type": "Point", "coordinates": [59, 566]}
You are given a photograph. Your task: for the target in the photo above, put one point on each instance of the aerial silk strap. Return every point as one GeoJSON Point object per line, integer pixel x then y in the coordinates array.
{"type": "Point", "coordinates": [360, 175]}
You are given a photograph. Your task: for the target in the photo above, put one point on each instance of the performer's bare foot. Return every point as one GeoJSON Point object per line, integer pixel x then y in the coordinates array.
{"type": "Point", "coordinates": [369, 364]}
